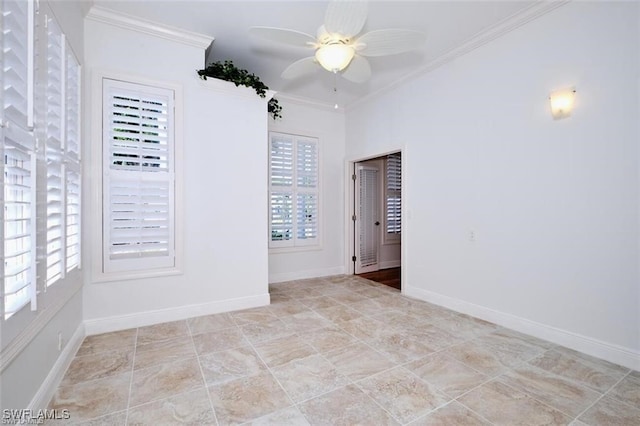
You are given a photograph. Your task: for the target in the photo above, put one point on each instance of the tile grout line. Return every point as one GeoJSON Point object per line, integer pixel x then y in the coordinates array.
{"type": "Point", "coordinates": [293, 403]}
{"type": "Point", "coordinates": [133, 365]}
{"type": "Point", "coordinates": [533, 397]}
{"type": "Point", "coordinates": [455, 399]}
{"type": "Point", "coordinates": [204, 380]}
{"type": "Point", "coordinates": [393, 362]}
{"type": "Point", "coordinates": [403, 365]}
{"type": "Point", "coordinates": [603, 395]}
{"type": "Point", "coordinates": [323, 356]}
{"type": "Point", "coordinates": [577, 383]}
{"type": "Point", "coordinates": [474, 412]}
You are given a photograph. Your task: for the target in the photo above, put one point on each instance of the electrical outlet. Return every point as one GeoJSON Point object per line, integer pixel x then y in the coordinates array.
{"type": "Point", "coordinates": [472, 235]}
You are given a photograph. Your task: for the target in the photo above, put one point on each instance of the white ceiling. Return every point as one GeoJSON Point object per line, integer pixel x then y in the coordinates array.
{"type": "Point", "coordinates": [448, 25]}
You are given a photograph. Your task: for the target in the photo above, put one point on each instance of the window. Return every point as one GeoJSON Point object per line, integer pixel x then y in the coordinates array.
{"type": "Point", "coordinates": [54, 146]}
{"type": "Point", "coordinates": [18, 166]}
{"type": "Point", "coordinates": [72, 213]}
{"type": "Point", "coordinates": [17, 61]}
{"type": "Point", "coordinates": [41, 160]}
{"type": "Point", "coordinates": [62, 155]}
{"type": "Point", "coordinates": [293, 190]}
{"type": "Point", "coordinates": [393, 197]}
{"type": "Point", "coordinates": [19, 224]}
{"type": "Point", "coordinates": [72, 169]}
{"type": "Point", "coordinates": [138, 183]}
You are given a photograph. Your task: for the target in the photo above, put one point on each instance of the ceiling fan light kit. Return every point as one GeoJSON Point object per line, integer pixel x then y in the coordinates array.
{"type": "Point", "coordinates": [335, 57]}
{"type": "Point", "coordinates": [338, 49]}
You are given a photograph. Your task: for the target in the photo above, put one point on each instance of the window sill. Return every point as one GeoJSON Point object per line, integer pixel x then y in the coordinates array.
{"type": "Point", "coordinates": [286, 250]}
{"type": "Point", "coordinates": [106, 277]}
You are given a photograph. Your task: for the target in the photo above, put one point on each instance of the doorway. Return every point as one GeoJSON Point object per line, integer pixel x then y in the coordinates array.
{"type": "Point", "coordinates": [377, 219]}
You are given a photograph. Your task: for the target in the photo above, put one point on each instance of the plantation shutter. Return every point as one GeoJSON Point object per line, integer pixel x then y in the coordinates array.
{"type": "Point", "coordinates": [72, 168]}
{"type": "Point", "coordinates": [55, 131]}
{"type": "Point", "coordinates": [281, 184]}
{"type": "Point", "coordinates": [139, 177]}
{"type": "Point", "coordinates": [17, 61]}
{"type": "Point", "coordinates": [368, 231]}
{"type": "Point", "coordinates": [19, 224]}
{"type": "Point", "coordinates": [72, 187]}
{"type": "Point", "coordinates": [307, 191]}
{"type": "Point", "coordinates": [393, 197]}
{"type": "Point", "coordinates": [293, 190]}
{"type": "Point", "coordinates": [18, 165]}
{"type": "Point", "coordinates": [72, 106]}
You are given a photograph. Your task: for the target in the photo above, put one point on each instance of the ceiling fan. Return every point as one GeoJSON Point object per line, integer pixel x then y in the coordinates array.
{"type": "Point", "coordinates": [338, 47]}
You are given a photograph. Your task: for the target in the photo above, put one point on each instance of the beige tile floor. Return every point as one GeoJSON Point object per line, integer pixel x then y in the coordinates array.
{"type": "Point", "coordinates": [340, 351]}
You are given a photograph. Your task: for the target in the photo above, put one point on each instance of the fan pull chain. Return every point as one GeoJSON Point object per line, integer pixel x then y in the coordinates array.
{"type": "Point", "coordinates": [335, 88]}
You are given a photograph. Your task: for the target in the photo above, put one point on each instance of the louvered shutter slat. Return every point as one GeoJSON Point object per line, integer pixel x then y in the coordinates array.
{"type": "Point", "coordinates": [368, 253]}
{"type": "Point", "coordinates": [71, 243]}
{"type": "Point", "coordinates": [16, 39]}
{"type": "Point", "coordinates": [72, 217]}
{"type": "Point", "coordinates": [307, 164]}
{"type": "Point", "coordinates": [307, 208]}
{"type": "Point", "coordinates": [393, 202]}
{"type": "Point", "coordinates": [281, 216]}
{"type": "Point", "coordinates": [281, 162]}
{"type": "Point", "coordinates": [72, 104]}
{"type": "Point", "coordinates": [53, 145]}
{"type": "Point", "coordinates": [18, 217]}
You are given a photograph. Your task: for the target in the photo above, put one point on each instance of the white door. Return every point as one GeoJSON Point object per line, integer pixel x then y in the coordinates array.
{"type": "Point", "coordinates": [367, 219]}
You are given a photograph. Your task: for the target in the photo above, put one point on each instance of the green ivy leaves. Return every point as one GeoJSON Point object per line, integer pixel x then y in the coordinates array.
{"type": "Point", "coordinates": [229, 72]}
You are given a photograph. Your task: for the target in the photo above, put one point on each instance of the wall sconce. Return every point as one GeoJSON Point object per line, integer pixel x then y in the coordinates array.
{"type": "Point", "coordinates": [562, 103]}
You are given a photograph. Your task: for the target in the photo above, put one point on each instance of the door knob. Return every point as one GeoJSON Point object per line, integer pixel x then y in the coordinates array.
{"type": "Point", "coordinates": [377, 223]}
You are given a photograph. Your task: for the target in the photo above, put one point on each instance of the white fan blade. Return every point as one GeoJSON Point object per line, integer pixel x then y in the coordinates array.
{"type": "Point", "coordinates": [389, 42]}
{"type": "Point", "coordinates": [358, 70]}
{"type": "Point", "coordinates": [281, 35]}
{"type": "Point", "coordinates": [300, 68]}
{"type": "Point", "coordinates": [346, 17]}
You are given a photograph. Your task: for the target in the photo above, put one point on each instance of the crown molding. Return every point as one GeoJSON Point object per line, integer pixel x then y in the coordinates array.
{"type": "Point", "coordinates": [129, 22]}
{"type": "Point", "coordinates": [485, 36]}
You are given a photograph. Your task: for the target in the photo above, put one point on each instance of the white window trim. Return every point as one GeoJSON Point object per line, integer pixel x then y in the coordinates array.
{"type": "Point", "coordinates": [317, 244]}
{"type": "Point", "coordinates": [96, 179]}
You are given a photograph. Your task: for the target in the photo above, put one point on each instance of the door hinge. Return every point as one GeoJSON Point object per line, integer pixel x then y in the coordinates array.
{"type": "Point", "coordinates": [353, 177]}
{"type": "Point", "coordinates": [353, 258]}
{"type": "Point", "coordinates": [353, 217]}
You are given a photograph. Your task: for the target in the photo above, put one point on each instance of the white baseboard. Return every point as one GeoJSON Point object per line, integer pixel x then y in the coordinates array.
{"type": "Point", "coordinates": [390, 264]}
{"type": "Point", "coordinates": [52, 381]}
{"type": "Point", "coordinates": [609, 352]}
{"type": "Point", "coordinates": [301, 275]}
{"type": "Point", "coordinates": [141, 319]}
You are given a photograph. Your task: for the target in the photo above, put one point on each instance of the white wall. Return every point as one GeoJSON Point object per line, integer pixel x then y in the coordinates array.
{"type": "Point", "coordinates": [225, 167]}
{"type": "Point", "coordinates": [32, 378]}
{"type": "Point", "coordinates": [329, 126]}
{"type": "Point", "coordinates": [553, 204]}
